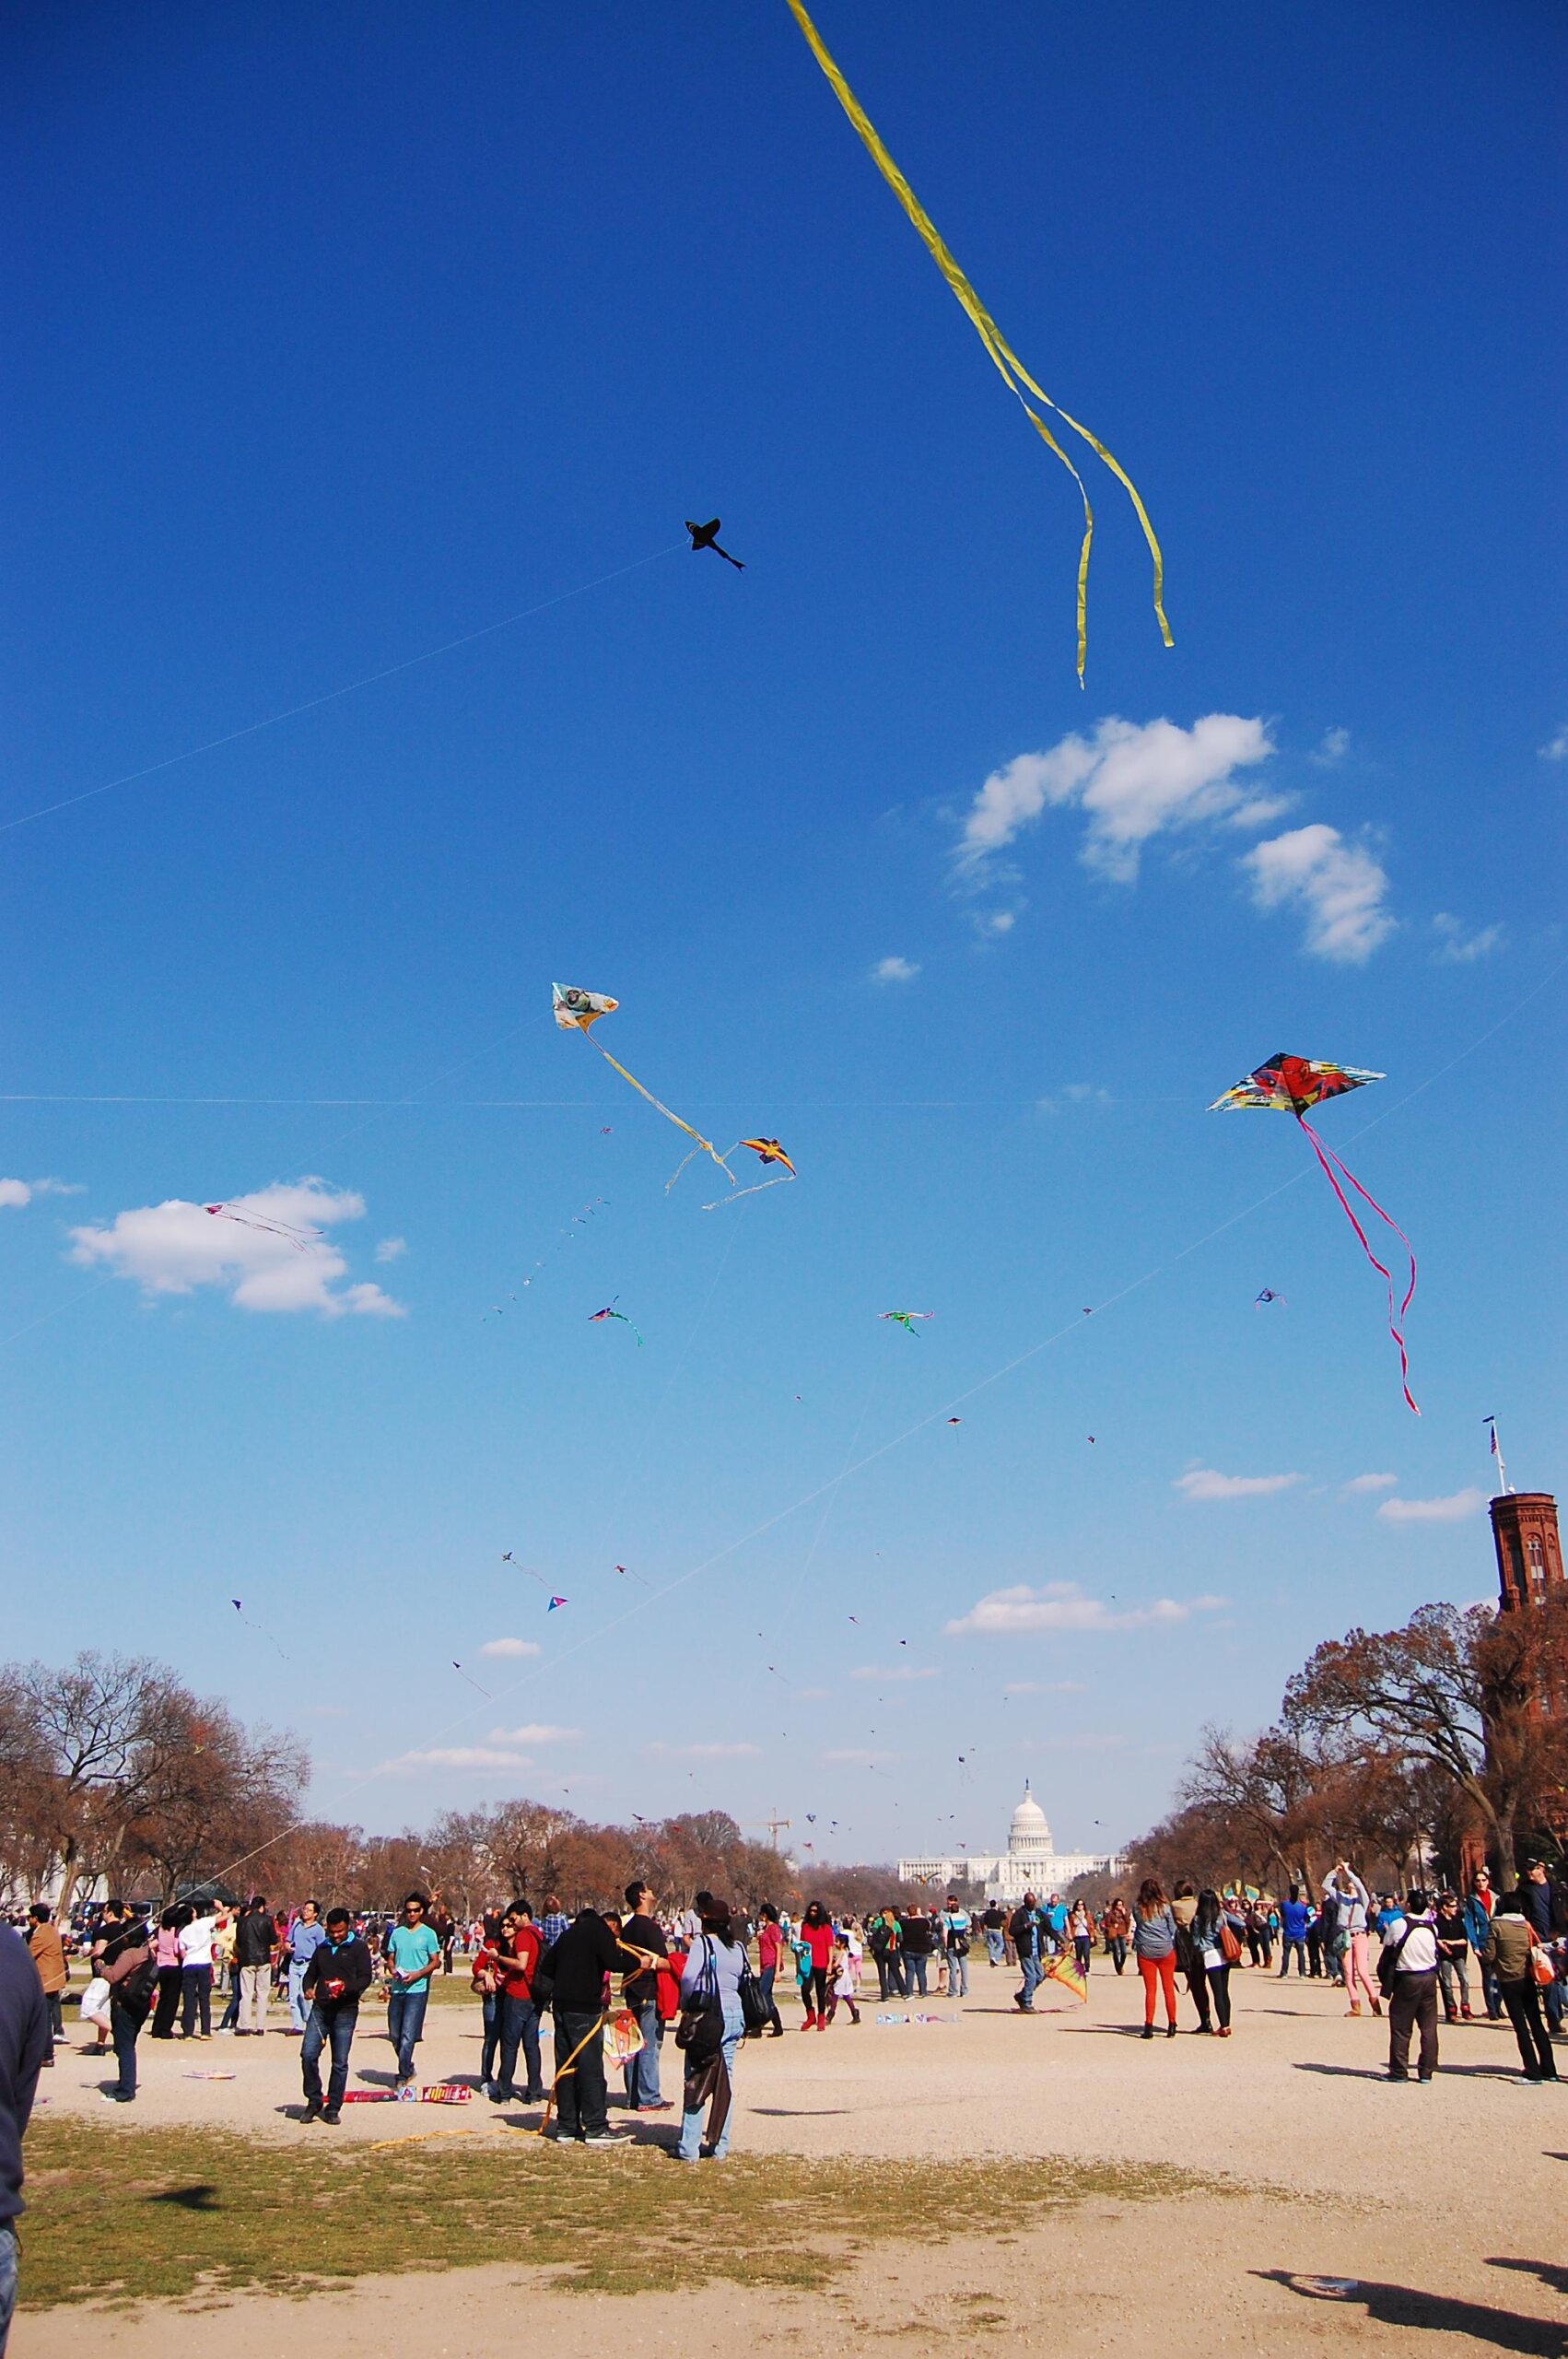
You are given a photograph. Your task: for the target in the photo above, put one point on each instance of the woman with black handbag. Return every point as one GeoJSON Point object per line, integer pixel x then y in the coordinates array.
{"type": "Point", "coordinates": [712, 2025]}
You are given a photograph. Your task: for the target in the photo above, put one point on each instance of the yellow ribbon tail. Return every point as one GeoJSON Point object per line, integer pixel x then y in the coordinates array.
{"type": "Point", "coordinates": [658, 1106]}
{"type": "Point", "coordinates": [1006, 362]}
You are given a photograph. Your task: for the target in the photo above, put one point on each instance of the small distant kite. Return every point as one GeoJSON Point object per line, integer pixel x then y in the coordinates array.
{"type": "Point", "coordinates": [578, 1011]}
{"type": "Point", "coordinates": [1013, 374]}
{"type": "Point", "coordinates": [554, 1601]}
{"type": "Point", "coordinates": [1288, 1084]}
{"type": "Point", "coordinates": [1268, 1295]}
{"type": "Point", "coordinates": [301, 1239]}
{"type": "Point", "coordinates": [770, 1151]}
{"type": "Point", "coordinates": [1091, 1438]}
{"type": "Point", "coordinates": [906, 1319]}
{"type": "Point", "coordinates": [704, 537]}
{"type": "Point", "coordinates": [610, 1311]}
{"type": "Point", "coordinates": [955, 1420]}
{"type": "Point", "coordinates": [473, 1683]}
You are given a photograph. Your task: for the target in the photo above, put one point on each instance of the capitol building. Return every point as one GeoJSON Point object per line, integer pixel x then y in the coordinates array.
{"type": "Point", "coordinates": [1029, 1864]}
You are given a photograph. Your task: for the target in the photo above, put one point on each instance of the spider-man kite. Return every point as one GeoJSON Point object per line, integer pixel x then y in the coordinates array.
{"type": "Point", "coordinates": [1289, 1086]}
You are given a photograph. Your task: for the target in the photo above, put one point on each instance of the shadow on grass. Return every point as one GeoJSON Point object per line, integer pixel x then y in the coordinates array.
{"type": "Point", "coordinates": [188, 2198]}
{"type": "Point", "coordinates": [1408, 2307]}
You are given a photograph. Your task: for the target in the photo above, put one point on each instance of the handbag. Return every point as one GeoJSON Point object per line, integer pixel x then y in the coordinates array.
{"type": "Point", "coordinates": [701, 2030]}
{"type": "Point", "coordinates": [1230, 1948]}
{"type": "Point", "coordinates": [1541, 1967]}
{"type": "Point", "coordinates": [757, 2011]}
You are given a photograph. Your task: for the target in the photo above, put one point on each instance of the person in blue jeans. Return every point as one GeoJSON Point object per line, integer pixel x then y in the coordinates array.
{"type": "Point", "coordinates": [712, 1972]}
{"type": "Point", "coordinates": [1293, 1920]}
{"type": "Point", "coordinates": [413, 1954]}
{"type": "Point", "coordinates": [1025, 1935]}
{"type": "Point", "coordinates": [305, 1937]}
{"type": "Point", "coordinates": [517, 1956]}
{"type": "Point", "coordinates": [336, 1976]}
{"type": "Point", "coordinates": [1478, 1932]}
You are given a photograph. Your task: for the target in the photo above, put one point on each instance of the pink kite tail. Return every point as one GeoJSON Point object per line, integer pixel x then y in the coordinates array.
{"type": "Point", "coordinates": [1329, 1162]}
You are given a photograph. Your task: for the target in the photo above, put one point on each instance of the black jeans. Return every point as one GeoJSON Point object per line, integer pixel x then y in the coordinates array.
{"type": "Point", "coordinates": [813, 1992]}
{"type": "Point", "coordinates": [1523, 2002]}
{"type": "Point", "coordinates": [490, 2010]}
{"type": "Point", "coordinates": [123, 2026]}
{"type": "Point", "coordinates": [1412, 2007]}
{"type": "Point", "coordinates": [1118, 1948]}
{"type": "Point", "coordinates": [168, 1979]}
{"type": "Point", "coordinates": [324, 2025]}
{"type": "Point", "coordinates": [1219, 1980]}
{"type": "Point", "coordinates": [582, 2102]}
{"type": "Point", "coordinates": [520, 2027]}
{"type": "Point", "coordinates": [1287, 1949]}
{"type": "Point", "coordinates": [196, 1998]}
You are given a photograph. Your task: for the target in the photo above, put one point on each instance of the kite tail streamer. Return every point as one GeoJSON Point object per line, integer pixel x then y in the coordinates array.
{"type": "Point", "coordinates": [1329, 1159]}
{"type": "Point", "coordinates": [705, 1144]}
{"type": "Point", "coordinates": [718, 1203]}
{"type": "Point", "coordinates": [1005, 360]}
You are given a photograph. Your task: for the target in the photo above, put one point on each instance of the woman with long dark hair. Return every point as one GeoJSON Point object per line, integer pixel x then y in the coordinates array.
{"type": "Point", "coordinates": [712, 2027]}
{"type": "Point", "coordinates": [816, 1935]}
{"type": "Point", "coordinates": [1154, 1941]}
{"type": "Point", "coordinates": [1210, 1925]}
{"type": "Point", "coordinates": [166, 1958]}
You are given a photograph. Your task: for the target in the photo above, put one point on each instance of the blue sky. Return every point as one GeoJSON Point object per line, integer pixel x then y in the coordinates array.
{"type": "Point", "coordinates": [337, 339]}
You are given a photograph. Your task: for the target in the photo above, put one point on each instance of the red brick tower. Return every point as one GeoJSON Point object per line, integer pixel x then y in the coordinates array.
{"type": "Point", "coordinates": [1530, 1552]}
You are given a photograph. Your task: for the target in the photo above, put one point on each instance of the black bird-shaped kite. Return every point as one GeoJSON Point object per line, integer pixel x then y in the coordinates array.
{"type": "Point", "coordinates": [704, 537]}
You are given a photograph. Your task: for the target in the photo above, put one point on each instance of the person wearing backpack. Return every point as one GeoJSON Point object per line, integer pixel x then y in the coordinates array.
{"type": "Point", "coordinates": [123, 1955]}
{"type": "Point", "coordinates": [713, 2024]}
{"type": "Point", "coordinates": [1408, 1973]}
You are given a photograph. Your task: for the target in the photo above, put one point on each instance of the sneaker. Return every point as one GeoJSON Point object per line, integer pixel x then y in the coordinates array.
{"type": "Point", "coordinates": [604, 2138]}
{"type": "Point", "coordinates": [663, 2106]}
{"type": "Point", "coordinates": [313, 2111]}
{"type": "Point", "coordinates": [332, 2116]}
{"type": "Point", "coordinates": [533, 2097]}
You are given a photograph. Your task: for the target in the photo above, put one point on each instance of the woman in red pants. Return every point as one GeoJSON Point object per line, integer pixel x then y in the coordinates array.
{"type": "Point", "coordinates": [1153, 1941]}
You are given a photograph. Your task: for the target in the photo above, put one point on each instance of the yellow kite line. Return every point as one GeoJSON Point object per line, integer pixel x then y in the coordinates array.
{"type": "Point", "coordinates": [1009, 367]}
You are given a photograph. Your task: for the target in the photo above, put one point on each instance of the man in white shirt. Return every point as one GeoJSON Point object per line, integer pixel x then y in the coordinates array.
{"type": "Point", "coordinates": [1409, 1971]}
{"type": "Point", "coordinates": [195, 1977]}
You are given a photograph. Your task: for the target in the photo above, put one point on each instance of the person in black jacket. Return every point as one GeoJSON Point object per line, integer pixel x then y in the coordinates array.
{"type": "Point", "coordinates": [25, 2046]}
{"type": "Point", "coordinates": [337, 1974]}
{"type": "Point", "coordinates": [255, 1940]}
{"type": "Point", "coordinates": [575, 1972]}
{"type": "Point", "coordinates": [1546, 1909]}
{"type": "Point", "coordinates": [640, 1990]}
{"type": "Point", "coordinates": [919, 1944]}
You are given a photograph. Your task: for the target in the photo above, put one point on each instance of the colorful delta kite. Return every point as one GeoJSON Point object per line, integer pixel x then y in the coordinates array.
{"type": "Point", "coordinates": [770, 1152]}
{"type": "Point", "coordinates": [1268, 1294]}
{"type": "Point", "coordinates": [556, 1602]}
{"type": "Point", "coordinates": [1289, 1086]}
{"type": "Point", "coordinates": [610, 1311]}
{"type": "Point", "coordinates": [1064, 1969]}
{"type": "Point", "coordinates": [301, 1239]}
{"type": "Point", "coordinates": [578, 1011]}
{"type": "Point", "coordinates": [906, 1319]}
{"type": "Point", "coordinates": [1010, 369]}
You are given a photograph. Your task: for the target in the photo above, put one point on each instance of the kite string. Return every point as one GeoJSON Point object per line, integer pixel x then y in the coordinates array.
{"type": "Point", "coordinates": [332, 696]}
{"type": "Point", "coordinates": [1005, 360]}
{"type": "Point", "coordinates": [1387, 1275]}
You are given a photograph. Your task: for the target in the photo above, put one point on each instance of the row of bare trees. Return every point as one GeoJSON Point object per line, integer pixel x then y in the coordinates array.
{"type": "Point", "coordinates": [1418, 1752]}
{"type": "Point", "coordinates": [112, 1772]}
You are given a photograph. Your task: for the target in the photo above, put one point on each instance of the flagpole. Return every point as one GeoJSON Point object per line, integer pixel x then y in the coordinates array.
{"type": "Point", "coordinates": [1497, 1453]}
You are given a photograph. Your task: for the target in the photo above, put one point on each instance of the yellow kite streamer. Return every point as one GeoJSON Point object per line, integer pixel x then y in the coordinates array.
{"type": "Point", "coordinates": [1009, 367]}
{"type": "Point", "coordinates": [578, 1011]}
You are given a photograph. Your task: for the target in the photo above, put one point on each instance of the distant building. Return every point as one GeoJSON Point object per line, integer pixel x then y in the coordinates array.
{"type": "Point", "coordinates": [1529, 1550]}
{"type": "Point", "coordinates": [1029, 1863]}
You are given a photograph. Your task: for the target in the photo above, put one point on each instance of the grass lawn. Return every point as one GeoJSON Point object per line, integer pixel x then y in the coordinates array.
{"type": "Point", "coordinates": [176, 2212]}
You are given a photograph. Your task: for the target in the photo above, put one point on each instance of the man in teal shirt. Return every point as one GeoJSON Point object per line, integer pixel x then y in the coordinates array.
{"type": "Point", "coordinates": [413, 1954]}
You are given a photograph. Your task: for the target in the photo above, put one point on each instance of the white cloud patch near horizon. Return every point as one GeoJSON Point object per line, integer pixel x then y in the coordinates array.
{"type": "Point", "coordinates": [1453, 1509]}
{"type": "Point", "coordinates": [1331, 749]}
{"type": "Point", "coordinates": [1062, 1605]}
{"type": "Point", "coordinates": [702, 1752]}
{"type": "Point", "coordinates": [1341, 887]}
{"type": "Point", "coordinates": [1046, 1687]}
{"type": "Point", "coordinates": [894, 970]}
{"type": "Point", "coordinates": [510, 1647]}
{"type": "Point", "coordinates": [1131, 781]}
{"type": "Point", "coordinates": [1457, 948]}
{"type": "Point", "coordinates": [174, 1247]}
{"type": "Point", "coordinates": [1205, 1483]}
{"type": "Point", "coordinates": [14, 1193]}
{"type": "Point", "coordinates": [900, 1671]}
{"type": "Point", "coordinates": [391, 1248]}
{"type": "Point", "coordinates": [1555, 749]}
{"type": "Point", "coordinates": [535, 1732]}
{"type": "Point", "coordinates": [1360, 1483]}
{"type": "Point", "coordinates": [452, 1756]}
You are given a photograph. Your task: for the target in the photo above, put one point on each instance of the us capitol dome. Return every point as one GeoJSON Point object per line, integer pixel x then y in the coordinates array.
{"type": "Point", "coordinates": [1029, 1863]}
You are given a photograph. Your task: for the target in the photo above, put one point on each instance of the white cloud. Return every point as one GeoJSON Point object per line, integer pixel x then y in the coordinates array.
{"type": "Point", "coordinates": [1332, 748]}
{"type": "Point", "coordinates": [1062, 1605]}
{"type": "Point", "coordinates": [175, 1247]}
{"type": "Point", "coordinates": [391, 1248]}
{"type": "Point", "coordinates": [702, 1752]}
{"type": "Point", "coordinates": [14, 1192]}
{"type": "Point", "coordinates": [898, 1671]}
{"type": "Point", "coordinates": [535, 1732]}
{"type": "Point", "coordinates": [454, 1756]}
{"type": "Point", "coordinates": [1453, 1509]}
{"type": "Point", "coordinates": [1360, 1483]}
{"type": "Point", "coordinates": [894, 970]}
{"type": "Point", "coordinates": [1046, 1687]}
{"type": "Point", "coordinates": [996, 922]}
{"type": "Point", "coordinates": [1087, 1743]}
{"type": "Point", "coordinates": [1203, 1482]}
{"type": "Point", "coordinates": [1458, 948]}
{"type": "Point", "coordinates": [859, 1760]}
{"type": "Point", "coordinates": [59, 1188]}
{"type": "Point", "coordinates": [509, 1647]}
{"type": "Point", "coordinates": [1075, 1093]}
{"type": "Point", "coordinates": [1556, 749]}
{"type": "Point", "coordinates": [1341, 887]}
{"type": "Point", "coordinates": [1132, 782]}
